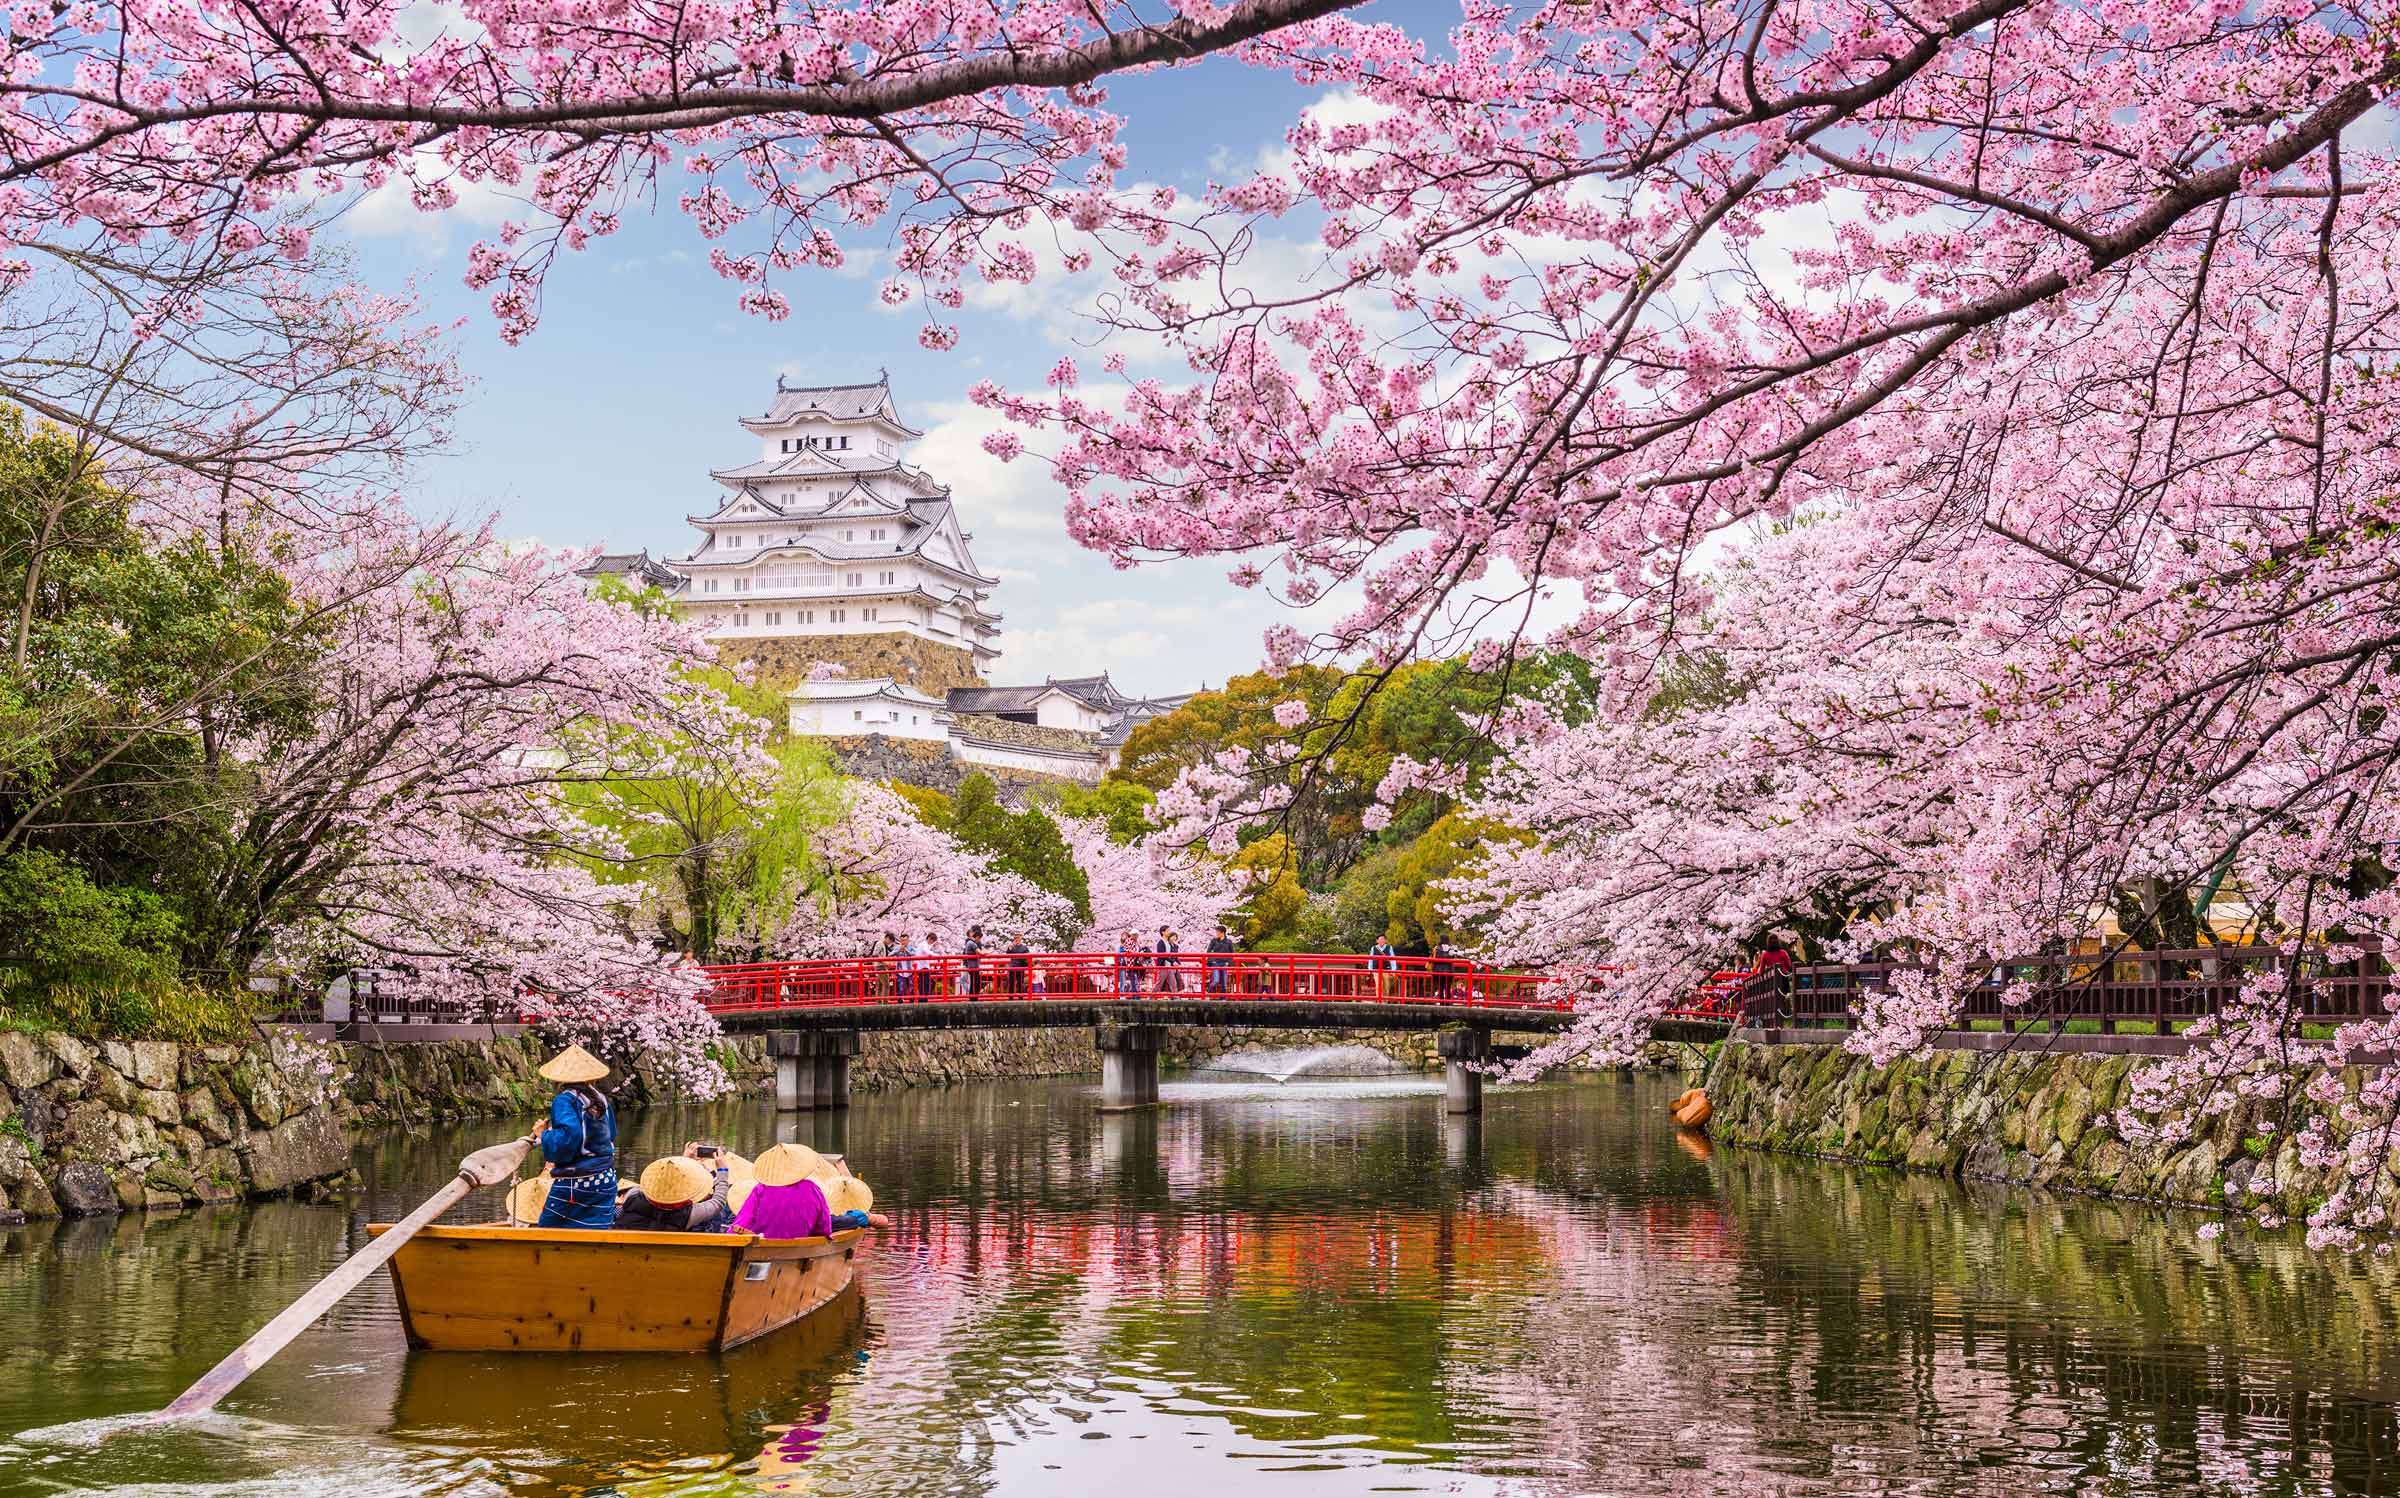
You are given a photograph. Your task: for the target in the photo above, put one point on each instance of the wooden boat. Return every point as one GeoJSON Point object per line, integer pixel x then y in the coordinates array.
{"type": "Point", "coordinates": [512, 1289]}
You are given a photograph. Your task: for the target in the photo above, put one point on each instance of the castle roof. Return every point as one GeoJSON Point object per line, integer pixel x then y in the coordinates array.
{"type": "Point", "coordinates": [924, 520]}
{"type": "Point", "coordinates": [816, 465]}
{"type": "Point", "coordinates": [835, 402]}
{"type": "Point", "coordinates": [1095, 692]}
{"type": "Point", "coordinates": [862, 688]}
{"type": "Point", "coordinates": [637, 565]}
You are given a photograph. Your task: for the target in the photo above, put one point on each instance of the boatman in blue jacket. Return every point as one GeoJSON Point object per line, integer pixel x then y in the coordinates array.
{"type": "Point", "coordinates": [579, 1145]}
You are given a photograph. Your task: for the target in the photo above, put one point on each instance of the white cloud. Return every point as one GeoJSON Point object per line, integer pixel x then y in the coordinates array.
{"type": "Point", "coordinates": [389, 211]}
{"type": "Point", "coordinates": [1159, 640]}
{"type": "Point", "coordinates": [992, 495]}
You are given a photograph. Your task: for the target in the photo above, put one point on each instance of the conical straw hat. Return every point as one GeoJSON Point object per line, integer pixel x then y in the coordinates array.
{"type": "Point", "coordinates": [847, 1194]}
{"type": "Point", "coordinates": [674, 1180]}
{"type": "Point", "coordinates": [788, 1164]}
{"type": "Point", "coordinates": [574, 1064]}
{"type": "Point", "coordinates": [737, 1168]}
{"type": "Point", "coordinates": [526, 1200]}
{"type": "Point", "coordinates": [738, 1194]}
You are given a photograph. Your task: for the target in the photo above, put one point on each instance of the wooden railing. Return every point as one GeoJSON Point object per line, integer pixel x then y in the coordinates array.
{"type": "Point", "coordinates": [2151, 992]}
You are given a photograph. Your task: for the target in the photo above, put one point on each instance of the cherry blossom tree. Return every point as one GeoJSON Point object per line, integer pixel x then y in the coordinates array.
{"type": "Point", "coordinates": [1156, 880]}
{"type": "Point", "coordinates": [882, 868]}
{"type": "Point", "coordinates": [422, 820]}
{"type": "Point", "coordinates": [799, 122]}
{"type": "Point", "coordinates": [2069, 329]}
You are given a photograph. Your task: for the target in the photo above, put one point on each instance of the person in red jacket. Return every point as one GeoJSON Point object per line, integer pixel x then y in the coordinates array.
{"type": "Point", "coordinates": [1775, 958]}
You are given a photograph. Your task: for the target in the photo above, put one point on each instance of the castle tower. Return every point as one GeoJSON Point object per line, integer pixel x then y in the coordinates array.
{"type": "Point", "coordinates": [829, 546]}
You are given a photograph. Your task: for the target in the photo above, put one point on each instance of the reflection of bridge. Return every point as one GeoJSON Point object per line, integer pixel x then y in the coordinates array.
{"type": "Point", "coordinates": [814, 1011]}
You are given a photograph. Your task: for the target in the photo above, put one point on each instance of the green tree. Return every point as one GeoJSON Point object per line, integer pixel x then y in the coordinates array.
{"type": "Point", "coordinates": [1361, 901]}
{"type": "Point", "coordinates": [1418, 909]}
{"type": "Point", "coordinates": [1026, 843]}
{"type": "Point", "coordinates": [723, 848]}
{"type": "Point", "coordinates": [1359, 722]}
{"type": "Point", "coordinates": [132, 669]}
{"type": "Point", "coordinates": [1123, 806]}
{"type": "Point", "coordinates": [1275, 908]}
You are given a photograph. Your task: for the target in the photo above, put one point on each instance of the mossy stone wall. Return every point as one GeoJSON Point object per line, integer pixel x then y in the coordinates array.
{"type": "Point", "coordinates": [2022, 1116]}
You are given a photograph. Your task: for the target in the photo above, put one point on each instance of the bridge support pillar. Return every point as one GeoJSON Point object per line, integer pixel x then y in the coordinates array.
{"type": "Point", "coordinates": [1462, 1085]}
{"type": "Point", "coordinates": [795, 1070]}
{"type": "Point", "coordinates": [1128, 1065]}
{"type": "Point", "coordinates": [812, 1068]}
{"type": "Point", "coordinates": [834, 1050]}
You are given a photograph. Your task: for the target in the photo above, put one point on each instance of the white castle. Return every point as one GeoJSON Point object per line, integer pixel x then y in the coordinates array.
{"type": "Point", "coordinates": [829, 546]}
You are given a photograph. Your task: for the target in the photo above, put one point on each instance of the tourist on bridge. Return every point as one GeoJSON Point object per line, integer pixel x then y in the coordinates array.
{"type": "Point", "coordinates": [1019, 959]}
{"type": "Point", "coordinates": [1220, 959]}
{"type": "Point", "coordinates": [971, 961]}
{"type": "Point", "coordinates": [579, 1144]}
{"type": "Point", "coordinates": [929, 966]}
{"type": "Point", "coordinates": [1129, 965]}
{"type": "Point", "coordinates": [887, 965]}
{"type": "Point", "coordinates": [1170, 956]}
{"type": "Point", "coordinates": [1383, 960]}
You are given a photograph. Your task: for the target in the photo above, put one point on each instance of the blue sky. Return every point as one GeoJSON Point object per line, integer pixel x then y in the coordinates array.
{"type": "Point", "coordinates": [601, 427]}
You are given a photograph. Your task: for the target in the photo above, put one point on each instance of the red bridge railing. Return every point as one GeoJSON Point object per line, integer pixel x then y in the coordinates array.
{"type": "Point", "coordinates": [1033, 977]}
{"type": "Point", "coordinates": [1004, 978]}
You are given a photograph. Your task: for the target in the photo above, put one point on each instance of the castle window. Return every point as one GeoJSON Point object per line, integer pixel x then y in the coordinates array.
{"type": "Point", "coordinates": [849, 535]}
{"type": "Point", "coordinates": [741, 585]}
{"type": "Point", "coordinates": [867, 614]}
{"type": "Point", "coordinates": [876, 534]}
{"type": "Point", "coordinates": [887, 578]}
{"type": "Point", "coordinates": [774, 617]}
{"type": "Point", "coordinates": [805, 616]}
{"type": "Point", "coordinates": [845, 444]}
{"type": "Point", "coordinates": [710, 586]}
{"type": "Point", "coordinates": [857, 579]}
{"type": "Point", "coordinates": [883, 448]}
{"type": "Point", "coordinates": [858, 715]}
{"type": "Point", "coordinates": [836, 616]}
{"type": "Point", "coordinates": [741, 621]}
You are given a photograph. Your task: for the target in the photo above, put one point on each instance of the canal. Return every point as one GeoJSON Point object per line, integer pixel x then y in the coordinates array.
{"type": "Point", "coordinates": [1320, 1288]}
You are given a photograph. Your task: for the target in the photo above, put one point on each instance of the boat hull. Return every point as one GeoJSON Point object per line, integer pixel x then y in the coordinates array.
{"type": "Point", "coordinates": [511, 1289]}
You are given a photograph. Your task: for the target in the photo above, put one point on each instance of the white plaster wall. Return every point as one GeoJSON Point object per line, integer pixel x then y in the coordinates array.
{"type": "Point", "coordinates": [1025, 759]}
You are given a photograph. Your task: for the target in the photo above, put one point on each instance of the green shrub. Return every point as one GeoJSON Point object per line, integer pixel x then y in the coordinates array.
{"type": "Point", "coordinates": [97, 960]}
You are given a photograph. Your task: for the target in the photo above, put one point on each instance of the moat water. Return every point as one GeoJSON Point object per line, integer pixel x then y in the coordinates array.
{"type": "Point", "coordinates": [1304, 1288]}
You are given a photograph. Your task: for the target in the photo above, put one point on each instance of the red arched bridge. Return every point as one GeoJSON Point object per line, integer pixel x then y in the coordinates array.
{"type": "Point", "coordinates": [814, 1011]}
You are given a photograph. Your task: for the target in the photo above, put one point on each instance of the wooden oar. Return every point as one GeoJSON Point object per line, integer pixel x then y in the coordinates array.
{"type": "Point", "coordinates": [485, 1167]}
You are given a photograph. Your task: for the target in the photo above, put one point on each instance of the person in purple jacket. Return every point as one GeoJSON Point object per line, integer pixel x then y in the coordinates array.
{"type": "Point", "coordinates": [785, 1203]}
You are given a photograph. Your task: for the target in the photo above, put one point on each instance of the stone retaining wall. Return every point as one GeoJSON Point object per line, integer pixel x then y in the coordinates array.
{"type": "Point", "coordinates": [928, 763]}
{"type": "Point", "coordinates": [91, 1127]}
{"type": "Point", "coordinates": [786, 660]}
{"type": "Point", "coordinates": [2022, 1116]}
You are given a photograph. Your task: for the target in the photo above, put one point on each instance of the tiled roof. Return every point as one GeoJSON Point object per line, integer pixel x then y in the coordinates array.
{"type": "Point", "coordinates": [634, 564]}
{"type": "Point", "coordinates": [840, 402]}
{"type": "Point", "coordinates": [996, 699]}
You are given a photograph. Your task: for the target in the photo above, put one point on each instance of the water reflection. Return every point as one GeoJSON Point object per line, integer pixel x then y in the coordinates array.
{"type": "Point", "coordinates": [1320, 1286]}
